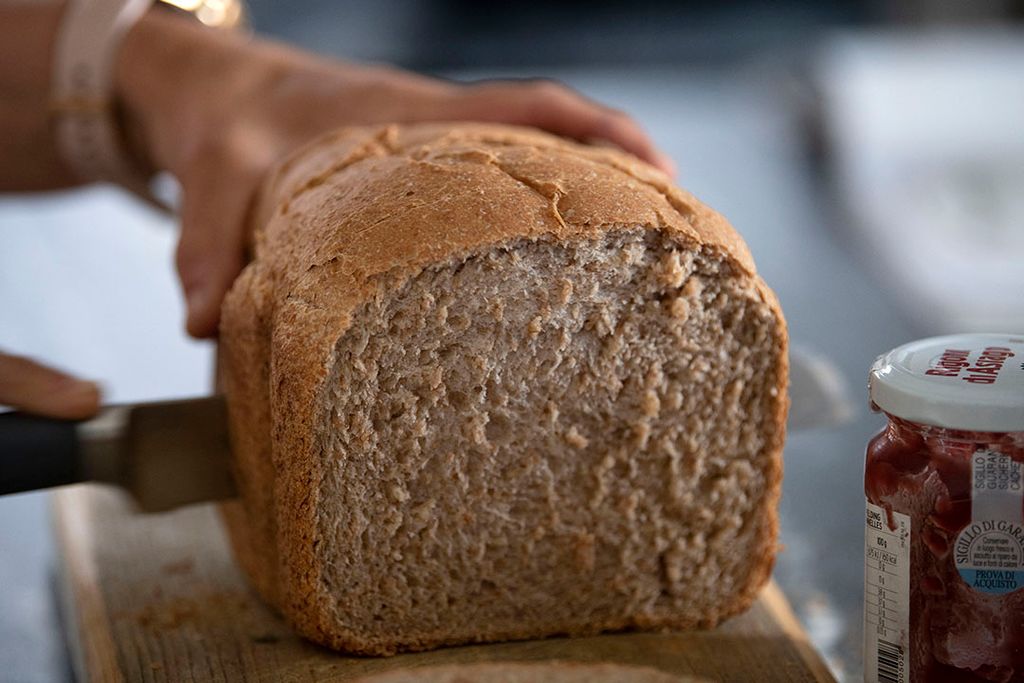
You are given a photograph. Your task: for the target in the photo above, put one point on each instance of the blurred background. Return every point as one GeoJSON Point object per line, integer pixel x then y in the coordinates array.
{"type": "Point", "coordinates": [872, 154]}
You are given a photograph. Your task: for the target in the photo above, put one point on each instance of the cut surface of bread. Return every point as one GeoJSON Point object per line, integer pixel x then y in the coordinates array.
{"type": "Point", "coordinates": [524, 672]}
{"type": "Point", "coordinates": [486, 384]}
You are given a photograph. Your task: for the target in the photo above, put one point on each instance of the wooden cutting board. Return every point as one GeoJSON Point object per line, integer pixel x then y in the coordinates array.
{"type": "Point", "coordinates": [158, 598]}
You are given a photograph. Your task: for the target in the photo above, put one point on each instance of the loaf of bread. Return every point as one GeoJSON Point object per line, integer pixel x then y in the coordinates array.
{"type": "Point", "coordinates": [486, 384]}
{"type": "Point", "coordinates": [528, 672]}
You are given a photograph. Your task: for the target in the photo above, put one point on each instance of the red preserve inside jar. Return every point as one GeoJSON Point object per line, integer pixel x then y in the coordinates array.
{"type": "Point", "coordinates": [957, 633]}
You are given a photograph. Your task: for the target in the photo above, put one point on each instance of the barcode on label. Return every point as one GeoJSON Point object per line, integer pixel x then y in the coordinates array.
{"type": "Point", "coordinates": [890, 662]}
{"type": "Point", "coordinates": [886, 596]}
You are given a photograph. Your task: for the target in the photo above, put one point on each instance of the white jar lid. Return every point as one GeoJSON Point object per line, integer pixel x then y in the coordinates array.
{"type": "Point", "coordinates": [965, 381]}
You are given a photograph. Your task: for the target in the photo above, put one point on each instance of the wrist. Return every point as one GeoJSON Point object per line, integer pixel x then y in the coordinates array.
{"type": "Point", "coordinates": [170, 76]}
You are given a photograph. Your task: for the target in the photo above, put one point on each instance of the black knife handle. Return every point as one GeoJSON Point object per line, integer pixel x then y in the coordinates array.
{"type": "Point", "coordinates": [37, 453]}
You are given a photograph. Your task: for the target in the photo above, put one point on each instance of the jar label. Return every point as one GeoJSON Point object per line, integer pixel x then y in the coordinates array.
{"type": "Point", "coordinates": [989, 552]}
{"type": "Point", "coordinates": [886, 596]}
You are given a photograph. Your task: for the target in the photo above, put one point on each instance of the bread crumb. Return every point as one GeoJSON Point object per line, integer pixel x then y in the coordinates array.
{"type": "Point", "coordinates": [674, 400]}
{"type": "Point", "coordinates": [585, 550]}
{"type": "Point", "coordinates": [564, 338]}
{"type": "Point", "coordinates": [533, 329]}
{"type": "Point", "coordinates": [552, 412]}
{"type": "Point", "coordinates": [575, 439]}
{"type": "Point", "coordinates": [672, 563]}
{"type": "Point", "coordinates": [734, 391]}
{"type": "Point", "coordinates": [361, 339]}
{"type": "Point", "coordinates": [601, 322]}
{"type": "Point", "coordinates": [672, 271]}
{"type": "Point", "coordinates": [422, 512]}
{"type": "Point", "coordinates": [630, 254]}
{"type": "Point", "coordinates": [641, 434]}
{"type": "Point", "coordinates": [651, 404]}
{"type": "Point", "coordinates": [680, 309]}
{"type": "Point", "coordinates": [479, 363]}
{"type": "Point", "coordinates": [399, 494]}
{"type": "Point", "coordinates": [475, 429]}
{"type": "Point", "coordinates": [700, 366]}
{"type": "Point", "coordinates": [741, 470]}
{"type": "Point", "coordinates": [629, 504]}
{"type": "Point", "coordinates": [612, 347]}
{"type": "Point", "coordinates": [391, 522]}
{"type": "Point", "coordinates": [655, 376]}
{"type": "Point", "coordinates": [564, 291]}
{"type": "Point", "coordinates": [600, 473]}
{"type": "Point", "coordinates": [497, 310]}
{"type": "Point", "coordinates": [693, 287]}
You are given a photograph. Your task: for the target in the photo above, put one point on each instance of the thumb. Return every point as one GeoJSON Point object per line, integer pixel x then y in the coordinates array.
{"type": "Point", "coordinates": [34, 388]}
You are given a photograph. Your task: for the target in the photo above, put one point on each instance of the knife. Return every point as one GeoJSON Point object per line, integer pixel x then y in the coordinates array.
{"type": "Point", "coordinates": [173, 453]}
{"type": "Point", "coordinates": [165, 454]}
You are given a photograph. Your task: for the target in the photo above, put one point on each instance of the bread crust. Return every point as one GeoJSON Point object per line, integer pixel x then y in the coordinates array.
{"type": "Point", "coordinates": [362, 206]}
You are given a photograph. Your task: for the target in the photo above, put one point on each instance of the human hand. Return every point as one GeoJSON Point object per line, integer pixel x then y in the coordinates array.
{"type": "Point", "coordinates": [34, 388]}
{"type": "Point", "coordinates": [219, 110]}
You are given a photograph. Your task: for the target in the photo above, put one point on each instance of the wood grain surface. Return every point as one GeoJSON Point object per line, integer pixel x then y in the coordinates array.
{"type": "Point", "coordinates": [158, 598]}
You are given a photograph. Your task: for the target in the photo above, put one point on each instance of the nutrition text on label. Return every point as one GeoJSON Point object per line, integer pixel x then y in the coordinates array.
{"type": "Point", "coordinates": [886, 595]}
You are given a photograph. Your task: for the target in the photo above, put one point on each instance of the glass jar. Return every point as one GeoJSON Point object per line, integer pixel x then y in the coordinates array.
{"type": "Point", "coordinates": [944, 542]}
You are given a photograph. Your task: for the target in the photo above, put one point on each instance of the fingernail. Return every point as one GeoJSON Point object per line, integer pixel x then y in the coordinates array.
{"type": "Point", "coordinates": [667, 164]}
{"type": "Point", "coordinates": [195, 300]}
{"type": "Point", "coordinates": [198, 302]}
{"type": "Point", "coordinates": [79, 398]}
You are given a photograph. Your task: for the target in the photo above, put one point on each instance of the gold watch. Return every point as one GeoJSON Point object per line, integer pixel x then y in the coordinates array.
{"type": "Point", "coordinates": [212, 13]}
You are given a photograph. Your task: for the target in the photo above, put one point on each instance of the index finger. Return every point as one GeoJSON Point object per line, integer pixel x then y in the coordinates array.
{"type": "Point", "coordinates": [561, 110]}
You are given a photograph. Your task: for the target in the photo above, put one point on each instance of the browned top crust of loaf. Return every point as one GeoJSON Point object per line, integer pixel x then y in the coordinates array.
{"type": "Point", "coordinates": [531, 184]}
{"type": "Point", "coordinates": [362, 205]}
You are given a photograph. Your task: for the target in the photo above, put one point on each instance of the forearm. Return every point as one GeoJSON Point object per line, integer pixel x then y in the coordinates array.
{"type": "Point", "coordinates": [170, 75]}
{"type": "Point", "coordinates": [30, 161]}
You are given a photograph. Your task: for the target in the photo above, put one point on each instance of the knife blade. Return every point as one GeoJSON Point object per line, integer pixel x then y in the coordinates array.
{"type": "Point", "coordinates": [165, 454]}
